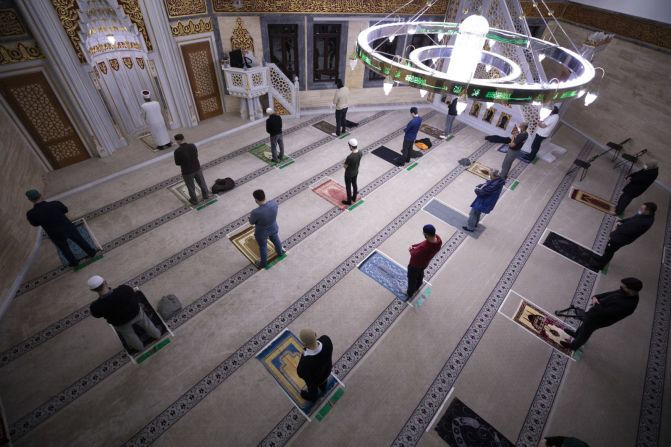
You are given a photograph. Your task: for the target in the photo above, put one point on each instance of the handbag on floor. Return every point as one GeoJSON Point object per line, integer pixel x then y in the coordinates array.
{"type": "Point", "coordinates": [423, 144]}
{"type": "Point", "coordinates": [223, 185]}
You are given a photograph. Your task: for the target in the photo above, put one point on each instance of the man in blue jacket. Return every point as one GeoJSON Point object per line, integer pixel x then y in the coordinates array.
{"type": "Point", "coordinates": [487, 195]}
{"type": "Point", "coordinates": [264, 219]}
{"type": "Point", "coordinates": [410, 136]}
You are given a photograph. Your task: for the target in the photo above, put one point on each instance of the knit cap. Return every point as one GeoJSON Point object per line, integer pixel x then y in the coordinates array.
{"type": "Point", "coordinates": [429, 229]}
{"type": "Point", "coordinates": [634, 284]}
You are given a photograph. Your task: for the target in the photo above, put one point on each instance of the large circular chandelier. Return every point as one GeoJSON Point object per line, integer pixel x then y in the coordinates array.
{"type": "Point", "coordinates": [419, 68]}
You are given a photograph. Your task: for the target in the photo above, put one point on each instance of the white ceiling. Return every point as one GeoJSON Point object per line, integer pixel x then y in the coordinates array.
{"type": "Point", "coordinates": [658, 10]}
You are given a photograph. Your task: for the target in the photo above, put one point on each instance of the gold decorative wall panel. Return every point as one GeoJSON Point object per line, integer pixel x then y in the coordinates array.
{"type": "Point", "coordinates": [13, 52]}
{"type": "Point", "coordinates": [114, 63]}
{"type": "Point", "coordinates": [105, 47]}
{"type": "Point", "coordinates": [140, 62]}
{"type": "Point", "coordinates": [102, 66]}
{"type": "Point", "coordinates": [30, 96]}
{"type": "Point", "coordinates": [10, 23]}
{"type": "Point", "coordinates": [68, 14]}
{"type": "Point", "coordinates": [241, 39]}
{"type": "Point", "coordinates": [128, 62]}
{"type": "Point", "coordinates": [181, 8]}
{"type": "Point", "coordinates": [186, 28]}
{"type": "Point", "coordinates": [327, 6]}
{"type": "Point", "coordinates": [134, 13]}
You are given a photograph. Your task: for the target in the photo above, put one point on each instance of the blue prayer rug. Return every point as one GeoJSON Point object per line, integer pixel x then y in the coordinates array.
{"type": "Point", "coordinates": [387, 273]}
{"type": "Point", "coordinates": [280, 357]}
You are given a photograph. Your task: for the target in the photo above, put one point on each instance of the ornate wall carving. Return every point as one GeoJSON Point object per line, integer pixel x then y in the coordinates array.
{"type": "Point", "coordinates": [326, 6]}
{"type": "Point", "coordinates": [13, 52]}
{"type": "Point", "coordinates": [133, 11]}
{"type": "Point", "coordinates": [184, 28]}
{"type": "Point", "coordinates": [241, 38]}
{"type": "Point", "coordinates": [11, 24]}
{"type": "Point", "coordinates": [180, 8]}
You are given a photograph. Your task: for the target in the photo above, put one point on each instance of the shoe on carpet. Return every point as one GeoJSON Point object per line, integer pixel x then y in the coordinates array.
{"type": "Point", "coordinates": [465, 228]}
{"type": "Point", "coordinates": [443, 137]}
{"type": "Point", "coordinates": [570, 332]}
{"type": "Point", "coordinates": [306, 396]}
{"type": "Point", "coordinates": [258, 265]}
{"type": "Point", "coordinates": [566, 345]}
{"type": "Point", "coordinates": [193, 202]}
{"type": "Point", "coordinates": [335, 134]}
{"type": "Point", "coordinates": [346, 202]}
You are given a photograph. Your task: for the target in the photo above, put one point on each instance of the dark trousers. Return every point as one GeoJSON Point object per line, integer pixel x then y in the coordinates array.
{"type": "Point", "coordinates": [351, 188]}
{"type": "Point", "coordinates": [191, 186]}
{"type": "Point", "coordinates": [314, 390]}
{"type": "Point", "coordinates": [583, 333]}
{"type": "Point", "coordinates": [623, 202]}
{"type": "Point", "coordinates": [61, 241]}
{"type": "Point", "coordinates": [415, 279]}
{"type": "Point", "coordinates": [341, 120]}
{"type": "Point", "coordinates": [608, 253]}
{"type": "Point", "coordinates": [535, 147]}
{"type": "Point", "coordinates": [407, 150]}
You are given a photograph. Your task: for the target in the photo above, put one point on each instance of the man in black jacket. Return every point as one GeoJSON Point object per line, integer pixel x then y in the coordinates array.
{"type": "Point", "coordinates": [315, 364]}
{"type": "Point", "coordinates": [607, 308]}
{"type": "Point", "coordinates": [639, 181]}
{"type": "Point", "coordinates": [274, 129]}
{"type": "Point", "coordinates": [51, 216]}
{"type": "Point", "coordinates": [121, 308]}
{"type": "Point", "coordinates": [628, 230]}
{"type": "Point", "coordinates": [186, 157]}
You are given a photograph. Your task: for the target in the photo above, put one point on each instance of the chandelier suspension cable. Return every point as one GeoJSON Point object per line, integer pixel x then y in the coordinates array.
{"type": "Point", "coordinates": [551, 14]}
{"type": "Point", "coordinates": [547, 25]}
{"type": "Point", "coordinates": [393, 12]}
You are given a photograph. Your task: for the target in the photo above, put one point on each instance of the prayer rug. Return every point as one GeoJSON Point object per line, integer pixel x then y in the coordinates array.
{"type": "Point", "coordinates": [503, 149]}
{"type": "Point", "coordinates": [387, 273]}
{"type": "Point", "coordinates": [182, 193]}
{"type": "Point", "coordinates": [151, 345]}
{"type": "Point", "coordinates": [388, 155]}
{"type": "Point", "coordinates": [325, 127]}
{"type": "Point", "coordinates": [263, 153]}
{"type": "Point", "coordinates": [451, 216]}
{"type": "Point", "coordinates": [80, 254]}
{"type": "Point", "coordinates": [480, 170]}
{"type": "Point", "coordinates": [593, 201]}
{"type": "Point", "coordinates": [280, 357]}
{"type": "Point", "coordinates": [148, 140]}
{"type": "Point", "coordinates": [544, 326]}
{"type": "Point", "coordinates": [333, 192]}
{"type": "Point", "coordinates": [430, 130]}
{"type": "Point", "coordinates": [573, 251]}
{"type": "Point", "coordinates": [245, 242]}
{"type": "Point", "coordinates": [461, 426]}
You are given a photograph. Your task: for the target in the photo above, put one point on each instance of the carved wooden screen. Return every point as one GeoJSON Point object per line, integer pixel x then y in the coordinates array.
{"type": "Point", "coordinates": [40, 112]}
{"type": "Point", "coordinates": [203, 79]}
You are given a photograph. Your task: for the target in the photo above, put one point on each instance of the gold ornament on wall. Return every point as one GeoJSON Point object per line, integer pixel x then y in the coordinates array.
{"type": "Point", "coordinates": [180, 8]}
{"type": "Point", "coordinates": [134, 13]}
{"type": "Point", "coordinates": [241, 39]}
{"type": "Point", "coordinates": [327, 7]}
{"type": "Point", "coordinates": [68, 14]}
{"type": "Point", "coordinates": [10, 23]}
{"type": "Point", "coordinates": [128, 62]}
{"type": "Point", "coordinates": [114, 63]}
{"type": "Point", "coordinates": [14, 52]}
{"type": "Point", "coordinates": [140, 62]}
{"type": "Point", "coordinates": [182, 28]}
{"type": "Point", "coordinates": [102, 67]}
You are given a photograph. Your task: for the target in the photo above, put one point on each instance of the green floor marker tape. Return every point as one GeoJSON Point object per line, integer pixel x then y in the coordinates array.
{"type": "Point", "coordinates": [514, 185]}
{"type": "Point", "coordinates": [604, 271]}
{"type": "Point", "coordinates": [275, 261]}
{"type": "Point", "coordinates": [88, 261]}
{"type": "Point", "coordinates": [360, 202]}
{"type": "Point", "coordinates": [321, 414]}
{"type": "Point", "coordinates": [577, 355]}
{"type": "Point", "coordinates": [153, 350]}
{"type": "Point", "coordinates": [412, 166]}
{"type": "Point", "coordinates": [449, 137]}
{"type": "Point", "coordinates": [205, 205]}
{"type": "Point", "coordinates": [283, 164]}
{"type": "Point", "coordinates": [343, 135]}
{"type": "Point", "coordinates": [535, 160]}
{"type": "Point", "coordinates": [337, 395]}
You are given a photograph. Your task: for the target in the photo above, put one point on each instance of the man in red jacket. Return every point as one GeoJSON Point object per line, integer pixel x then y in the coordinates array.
{"type": "Point", "coordinates": [420, 256]}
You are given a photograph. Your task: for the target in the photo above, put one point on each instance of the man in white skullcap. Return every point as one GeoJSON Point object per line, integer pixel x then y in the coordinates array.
{"type": "Point", "coordinates": [352, 171]}
{"type": "Point", "coordinates": [121, 308]}
{"type": "Point", "coordinates": [151, 111]}
{"type": "Point", "coordinates": [274, 129]}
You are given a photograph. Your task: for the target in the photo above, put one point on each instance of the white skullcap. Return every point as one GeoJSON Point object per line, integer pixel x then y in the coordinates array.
{"type": "Point", "coordinates": [269, 111]}
{"type": "Point", "coordinates": [146, 94]}
{"type": "Point", "coordinates": [353, 142]}
{"type": "Point", "coordinates": [95, 281]}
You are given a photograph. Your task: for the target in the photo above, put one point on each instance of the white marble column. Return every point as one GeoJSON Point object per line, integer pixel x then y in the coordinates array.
{"type": "Point", "coordinates": [169, 64]}
{"type": "Point", "coordinates": [87, 105]}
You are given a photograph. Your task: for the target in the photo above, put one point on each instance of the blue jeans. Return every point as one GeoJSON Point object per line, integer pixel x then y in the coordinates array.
{"type": "Point", "coordinates": [262, 240]}
{"type": "Point", "coordinates": [448, 124]}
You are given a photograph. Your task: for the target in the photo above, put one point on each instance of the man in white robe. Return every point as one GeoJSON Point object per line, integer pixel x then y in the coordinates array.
{"type": "Point", "coordinates": [151, 111]}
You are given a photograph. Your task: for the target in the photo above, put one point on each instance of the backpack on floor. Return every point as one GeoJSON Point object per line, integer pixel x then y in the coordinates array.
{"type": "Point", "coordinates": [168, 306]}
{"type": "Point", "coordinates": [223, 185]}
{"type": "Point", "coordinates": [423, 144]}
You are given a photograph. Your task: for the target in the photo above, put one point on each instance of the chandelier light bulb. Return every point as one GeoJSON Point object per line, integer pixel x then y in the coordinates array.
{"type": "Point", "coordinates": [541, 57]}
{"type": "Point", "coordinates": [590, 98]}
{"type": "Point", "coordinates": [461, 105]}
{"type": "Point", "coordinates": [422, 92]}
{"type": "Point", "coordinates": [440, 36]}
{"type": "Point", "coordinates": [391, 38]}
{"type": "Point", "coordinates": [412, 30]}
{"type": "Point", "coordinates": [488, 68]}
{"type": "Point", "coordinates": [352, 63]}
{"type": "Point", "coordinates": [387, 85]}
{"type": "Point", "coordinates": [489, 105]}
{"type": "Point", "coordinates": [491, 43]}
{"type": "Point", "coordinates": [468, 48]}
{"type": "Point", "coordinates": [581, 93]}
{"type": "Point", "coordinates": [111, 39]}
{"type": "Point", "coordinates": [535, 103]}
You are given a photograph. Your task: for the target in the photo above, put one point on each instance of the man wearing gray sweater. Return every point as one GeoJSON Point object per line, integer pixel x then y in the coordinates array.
{"type": "Point", "coordinates": [264, 218]}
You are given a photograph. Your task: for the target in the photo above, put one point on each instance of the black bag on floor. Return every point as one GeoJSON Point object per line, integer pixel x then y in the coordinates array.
{"type": "Point", "coordinates": [425, 141]}
{"type": "Point", "coordinates": [169, 305]}
{"type": "Point", "coordinates": [497, 139]}
{"type": "Point", "coordinates": [223, 185]}
{"type": "Point", "coordinates": [350, 124]}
